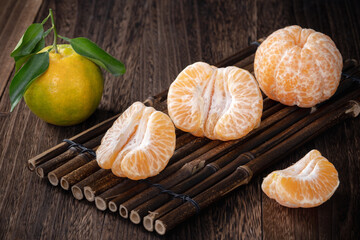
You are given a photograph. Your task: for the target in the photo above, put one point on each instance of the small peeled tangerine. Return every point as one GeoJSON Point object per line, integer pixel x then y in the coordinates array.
{"type": "Point", "coordinates": [298, 66]}
{"type": "Point", "coordinates": [219, 103]}
{"type": "Point", "coordinates": [308, 183]}
{"type": "Point", "coordinates": [139, 144]}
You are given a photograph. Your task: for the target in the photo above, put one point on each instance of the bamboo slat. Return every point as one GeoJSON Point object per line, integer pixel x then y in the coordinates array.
{"type": "Point", "coordinates": [200, 170]}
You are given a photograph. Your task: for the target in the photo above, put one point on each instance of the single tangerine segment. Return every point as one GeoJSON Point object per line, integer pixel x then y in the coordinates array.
{"type": "Point", "coordinates": [219, 103]}
{"type": "Point", "coordinates": [139, 144]}
{"type": "Point", "coordinates": [308, 183]}
{"type": "Point", "coordinates": [298, 66]}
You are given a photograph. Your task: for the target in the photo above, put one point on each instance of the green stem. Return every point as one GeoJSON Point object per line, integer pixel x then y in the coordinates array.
{"type": "Point", "coordinates": [54, 29]}
{"type": "Point", "coordinates": [44, 21]}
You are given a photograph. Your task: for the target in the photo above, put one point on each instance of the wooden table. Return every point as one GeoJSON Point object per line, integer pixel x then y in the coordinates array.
{"type": "Point", "coordinates": [156, 40]}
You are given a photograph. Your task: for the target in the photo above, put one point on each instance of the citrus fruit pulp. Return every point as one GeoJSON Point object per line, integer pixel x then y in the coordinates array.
{"type": "Point", "coordinates": [298, 66]}
{"type": "Point", "coordinates": [219, 103]}
{"type": "Point", "coordinates": [69, 91]}
{"type": "Point", "coordinates": [139, 144]}
{"type": "Point", "coordinates": [308, 183]}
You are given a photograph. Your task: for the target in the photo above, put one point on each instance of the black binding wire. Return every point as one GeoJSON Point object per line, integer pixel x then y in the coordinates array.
{"type": "Point", "coordinates": [81, 147]}
{"type": "Point", "coordinates": [256, 43]}
{"type": "Point", "coordinates": [183, 197]}
{"type": "Point", "coordinates": [351, 76]}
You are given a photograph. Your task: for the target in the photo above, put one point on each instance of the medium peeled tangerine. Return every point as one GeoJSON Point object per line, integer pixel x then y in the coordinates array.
{"type": "Point", "coordinates": [308, 183]}
{"type": "Point", "coordinates": [219, 103]}
{"type": "Point", "coordinates": [139, 144]}
{"type": "Point", "coordinates": [297, 66]}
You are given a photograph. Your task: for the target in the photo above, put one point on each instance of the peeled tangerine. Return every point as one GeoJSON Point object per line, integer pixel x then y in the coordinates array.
{"type": "Point", "coordinates": [219, 103]}
{"type": "Point", "coordinates": [298, 66]}
{"type": "Point", "coordinates": [139, 144]}
{"type": "Point", "coordinates": [308, 183]}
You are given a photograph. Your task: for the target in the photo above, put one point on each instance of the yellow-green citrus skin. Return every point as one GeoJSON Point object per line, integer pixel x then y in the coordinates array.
{"type": "Point", "coordinates": [69, 91]}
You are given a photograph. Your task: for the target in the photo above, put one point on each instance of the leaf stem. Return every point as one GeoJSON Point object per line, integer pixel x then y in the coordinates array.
{"type": "Point", "coordinates": [54, 29]}
{"type": "Point", "coordinates": [44, 21]}
{"type": "Point", "coordinates": [65, 38]}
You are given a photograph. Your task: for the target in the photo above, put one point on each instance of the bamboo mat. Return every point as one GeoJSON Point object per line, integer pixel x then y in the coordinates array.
{"type": "Point", "coordinates": [201, 171]}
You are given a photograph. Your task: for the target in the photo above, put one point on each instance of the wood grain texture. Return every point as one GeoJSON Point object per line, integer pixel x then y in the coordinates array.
{"type": "Point", "coordinates": [156, 40]}
{"type": "Point", "coordinates": [15, 17]}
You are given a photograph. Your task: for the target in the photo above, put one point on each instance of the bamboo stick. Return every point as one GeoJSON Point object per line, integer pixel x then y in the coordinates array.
{"type": "Point", "coordinates": [243, 174]}
{"type": "Point", "coordinates": [79, 138]}
{"type": "Point", "coordinates": [258, 129]}
{"type": "Point", "coordinates": [267, 104]}
{"type": "Point", "coordinates": [43, 169]}
{"type": "Point", "coordinates": [245, 62]}
{"type": "Point", "coordinates": [186, 171]}
{"type": "Point", "coordinates": [88, 134]}
{"type": "Point", "coordinates": [244, 53]}
{"type": "Point", "coordinates": [183, 140]}
{"type": "Point", "coordinates": [77, 189]}
{"type": "Point", "coordinates": [272, 110]}
{"type": "Point", "coordinates": [114, 203]}
{"type": "Point", "coordinates": [291, 121]}
{"type": "Point", "coordinates": [102, 200]}
{"type": "Point", "coordinates": [267, 146]}
{"type": "Point", "coordinates": [206, 153]}
{"type": "Point", "coordinates": [149, 219]}
{"type": "Point", "coordinates": [161, 106]}
{"type": "Point", "coordinates": [100, 185]}
{"type": "Point", "coordinates": [68, 154]}
{"type": "Point", "coordinates": [188, 148]}
{"type": "Point", "coordinates": [81, 159]}
{"type": "Point", "coordinates": [208, 156]}
{"type": "Point", "coordinates": [112, 200]}
{"type": "Point", "coordinates": [139, 212]}
{"type": "Point", "coordinates": [79, 174]}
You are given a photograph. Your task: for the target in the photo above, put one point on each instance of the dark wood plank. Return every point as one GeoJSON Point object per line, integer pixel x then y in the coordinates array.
{"type": "Point", "coordinates": [323, 222]}
{"type": "Point", "coordinates": [156, 40]}
{"type": "Point", "coordinates": [16, 16]}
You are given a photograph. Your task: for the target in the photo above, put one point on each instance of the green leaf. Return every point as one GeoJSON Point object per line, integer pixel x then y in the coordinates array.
{"type": "Point", "coordinates": [29, 40]}
{"type": "Point", "coordinates": [19, 61]}
{"type": "Point", "coordinates": [90, 50]}
{"type": "Point", "coordinates": [33, 68]}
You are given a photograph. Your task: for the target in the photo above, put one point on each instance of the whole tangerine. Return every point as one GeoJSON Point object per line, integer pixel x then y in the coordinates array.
{"type": "Point", "coordinates": [69, 91]}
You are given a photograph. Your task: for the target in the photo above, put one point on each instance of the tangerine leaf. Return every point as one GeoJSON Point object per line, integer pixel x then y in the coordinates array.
{"type": "Point", "coordinates": [33, 68]}
{"type": "Point", "coordinates": [93, 52]}
{"type": "Point", "coordinates": [26, 45]}
{"type": "Point", "coordinates": [19, 61]}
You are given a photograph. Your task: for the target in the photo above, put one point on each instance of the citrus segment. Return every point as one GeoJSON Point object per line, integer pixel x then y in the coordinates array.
{"type": "Point", "coordinates": [139, 144]}
{"type": "Point", "coordinates": [219, 103]}
{"type": "Point", "coordinates": [308, 183]}
{"type": "Point", "coordinates": [298, 66]}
